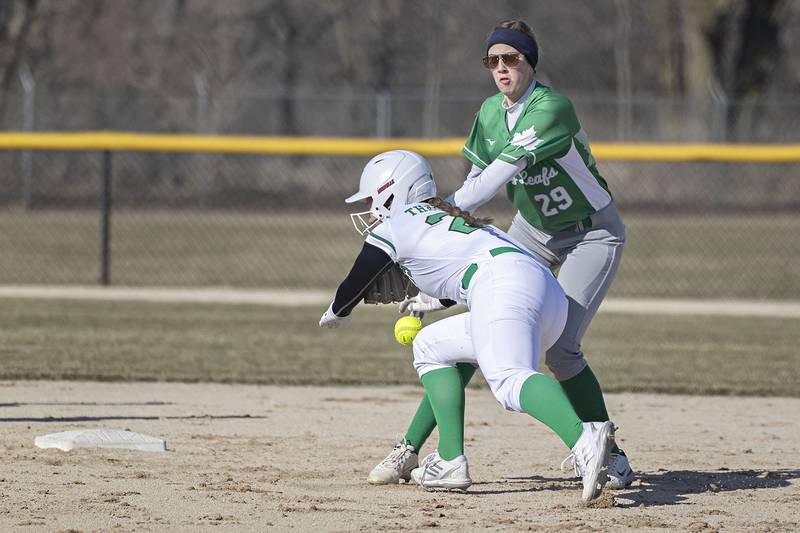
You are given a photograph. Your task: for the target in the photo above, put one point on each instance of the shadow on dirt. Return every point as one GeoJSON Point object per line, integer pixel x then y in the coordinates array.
{"type": "Point", "coordinates": [533, 483]}
{"type": "Point", "coordinates": [49, 419]}
{"type": "Point", "coordinates": [665, 487]}
{"type": "Point", "coordinates": [100, 418]}
{"type": "Point", "coordinates": [670, 487]}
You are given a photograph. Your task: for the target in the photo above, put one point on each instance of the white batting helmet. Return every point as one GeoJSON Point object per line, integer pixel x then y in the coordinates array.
{"type": "Point", "coordinates": [392, 180]}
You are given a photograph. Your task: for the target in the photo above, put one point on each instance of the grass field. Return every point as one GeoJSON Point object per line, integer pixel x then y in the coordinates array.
{"type": "Point", "coordinates": [42, 339]}
{"type": "Point", "coordinates": [713, 256]}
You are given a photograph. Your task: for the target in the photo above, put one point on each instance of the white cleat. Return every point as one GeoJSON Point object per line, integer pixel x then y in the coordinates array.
{"type": "Point", "coordinates": [436, 473]}
{"type": "Point", "coordinates": [591, 456]}
{"type": "Point", "coordinates": [620, 474]}
{"type": "Point", "coordinates": [397, 465]}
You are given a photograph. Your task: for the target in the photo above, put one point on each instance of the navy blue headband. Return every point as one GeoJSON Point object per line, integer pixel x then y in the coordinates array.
{"type": "Point", "coordinates": [519, 40]}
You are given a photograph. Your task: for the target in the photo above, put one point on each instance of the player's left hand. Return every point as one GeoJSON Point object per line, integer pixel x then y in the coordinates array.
{"type": "Point", "coordinates": [421, 303]}
{"type": "Point", "coordinates": [330, 320]}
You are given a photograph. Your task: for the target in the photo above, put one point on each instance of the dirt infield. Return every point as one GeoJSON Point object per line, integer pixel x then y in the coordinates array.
{"type": "Point", "coordinates": [256, 457]}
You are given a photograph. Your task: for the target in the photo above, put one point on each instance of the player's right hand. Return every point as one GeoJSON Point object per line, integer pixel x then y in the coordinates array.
{"type": "Point", "coordinates": [421, 303]}
{"type": "Point", "coordinates": [330, 320]}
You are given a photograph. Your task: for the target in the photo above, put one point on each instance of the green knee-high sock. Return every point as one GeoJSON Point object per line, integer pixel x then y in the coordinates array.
{"type": "Point", "coordinates": [446, 395]}
{"type": "Point", "coordinates": [543, 399]}
{"type": "Point", "coordinates": [586, 397]}
{"type": "Point", "coordinates": [423, 422]}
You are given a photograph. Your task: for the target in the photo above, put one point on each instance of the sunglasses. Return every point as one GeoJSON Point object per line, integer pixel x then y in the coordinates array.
{"type": "Point", "coordinates": [509, 60]}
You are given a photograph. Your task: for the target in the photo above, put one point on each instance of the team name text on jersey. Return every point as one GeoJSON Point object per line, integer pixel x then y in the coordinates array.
{"type": "Point", "coordinates": [547, 174]}
{"type": "Point", "coordinates": [418, 209]}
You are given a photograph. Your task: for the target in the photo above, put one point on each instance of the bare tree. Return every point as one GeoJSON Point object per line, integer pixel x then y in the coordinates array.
{"type": "Point", "coordinates": [16, 19]}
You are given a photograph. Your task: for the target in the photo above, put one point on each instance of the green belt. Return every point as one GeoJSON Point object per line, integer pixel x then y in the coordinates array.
{"type": "Point", "coordinates": [580, 225]}
{"type": "Point", "coordinates": [471, 269]}
{"type": "Point", "coordinates": [586, 223]}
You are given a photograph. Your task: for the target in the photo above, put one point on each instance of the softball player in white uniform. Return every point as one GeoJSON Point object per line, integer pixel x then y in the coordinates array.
{"type": "Point", "coordinates": [517, 309]}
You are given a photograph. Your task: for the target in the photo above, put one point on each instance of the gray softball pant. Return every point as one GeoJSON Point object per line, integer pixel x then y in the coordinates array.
{"type": "Point", "coordinates": [589, 256]}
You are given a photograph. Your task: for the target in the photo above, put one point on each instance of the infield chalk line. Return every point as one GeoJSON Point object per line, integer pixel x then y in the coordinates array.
{"type": "Point", "coordinates": [302, 298]}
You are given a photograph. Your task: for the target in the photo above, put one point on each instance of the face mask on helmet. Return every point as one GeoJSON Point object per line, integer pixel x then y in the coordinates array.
{"type": "Point", "coordinates": [364, 221]}
{"type": "Point", "coordinates": [391, 180]}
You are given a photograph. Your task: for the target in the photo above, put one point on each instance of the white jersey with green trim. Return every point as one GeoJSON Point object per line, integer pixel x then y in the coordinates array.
{"type": "Point", "coordinates": [560, 184]}
{"type": "Point", "coordinates": [435, 249]}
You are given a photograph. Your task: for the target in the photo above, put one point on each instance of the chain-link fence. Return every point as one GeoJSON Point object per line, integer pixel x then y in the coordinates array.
{"type": "Point", "coordinates": [605, 117]}
{"type": "Point", "coordinates": [694, 229]}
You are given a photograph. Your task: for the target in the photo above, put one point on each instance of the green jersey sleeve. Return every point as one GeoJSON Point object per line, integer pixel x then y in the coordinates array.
{"type": "Point", "coordinates": [474, 148]}
{"type": "Point", "coordinates": [544, 131]}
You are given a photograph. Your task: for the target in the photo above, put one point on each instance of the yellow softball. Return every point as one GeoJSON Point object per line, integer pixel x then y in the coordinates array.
{"type": "Point", "coordinates": [406, 329]}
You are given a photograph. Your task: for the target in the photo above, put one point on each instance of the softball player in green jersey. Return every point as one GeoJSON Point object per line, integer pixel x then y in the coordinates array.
{"type": "Point", "coordinates": [528, 140]}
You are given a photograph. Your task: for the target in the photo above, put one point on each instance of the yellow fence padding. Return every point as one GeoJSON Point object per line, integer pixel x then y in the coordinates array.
{"type": "Point", "coordinates": [365, 147]}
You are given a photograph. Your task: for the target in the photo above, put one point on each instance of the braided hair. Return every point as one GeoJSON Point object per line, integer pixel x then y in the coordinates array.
{"type": "Point", "coordinates": [452, 210]}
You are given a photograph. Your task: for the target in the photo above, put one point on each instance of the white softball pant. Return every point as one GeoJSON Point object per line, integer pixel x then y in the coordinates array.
{"type": "Point", "coordinates": [517, 311]}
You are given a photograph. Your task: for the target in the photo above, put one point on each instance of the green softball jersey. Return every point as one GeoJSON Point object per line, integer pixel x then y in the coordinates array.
{"type": "Point", "coordinates": [560, 184]}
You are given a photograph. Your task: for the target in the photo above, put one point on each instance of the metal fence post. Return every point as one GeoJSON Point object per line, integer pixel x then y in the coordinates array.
{"type": "Point", "coordinates": [719, 112]}
{"type": "Point", "coordinates": [433, 74]}
{"type": "Point", "coordinates": [383, 114]}
{"type": "Point", "coordinates": [202, 104]}
{"type": "Point", "coordinates": [622, 58]}
{"type": "Point", "coordinates": [29, 95]}
{"type": "Point", "coordinates": [105, 221]}
{"type": "Point", "coordinates": [203, 128]}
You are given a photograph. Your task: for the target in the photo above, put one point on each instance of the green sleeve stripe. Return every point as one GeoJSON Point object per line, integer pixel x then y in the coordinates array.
{"type": "Point", "coordinates": [516, 155]}
{"type": "Point", "coordinates": [508, 158]}
{"type": "Point", "coordinates": [475, 157]}
{"type": "Point", "coordinates": [383, 240]}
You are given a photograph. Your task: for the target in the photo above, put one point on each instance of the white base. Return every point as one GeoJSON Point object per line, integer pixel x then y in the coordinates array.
{"type": "Point", "coordinates": [101, 438]}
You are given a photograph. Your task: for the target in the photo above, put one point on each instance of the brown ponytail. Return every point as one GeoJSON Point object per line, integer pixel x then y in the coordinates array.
{"type": "Point", "coordinates": [454, 211]}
